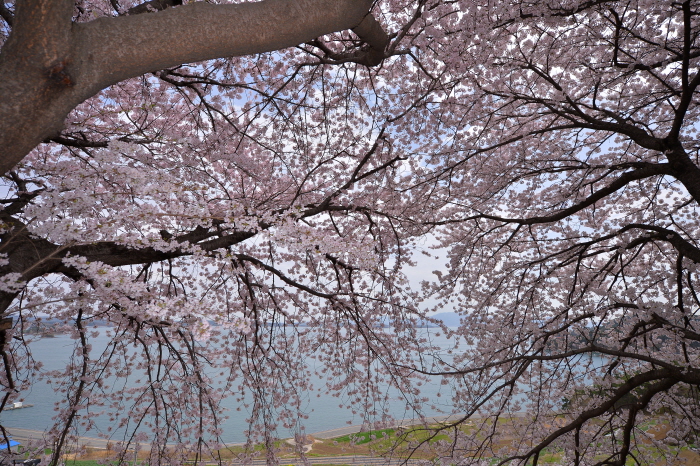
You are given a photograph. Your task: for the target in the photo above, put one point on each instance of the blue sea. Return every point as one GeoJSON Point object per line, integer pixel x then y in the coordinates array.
{"type": "Point", "coordinates": [322, 409]}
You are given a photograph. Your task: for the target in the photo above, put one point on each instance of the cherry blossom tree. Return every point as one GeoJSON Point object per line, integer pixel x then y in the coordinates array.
{"type": "Point", "coordinates": [176, 207]}
{"type": "Point", "coordinates": [207, 209]}
{"type": "Point", "coordinates": [565, 188]}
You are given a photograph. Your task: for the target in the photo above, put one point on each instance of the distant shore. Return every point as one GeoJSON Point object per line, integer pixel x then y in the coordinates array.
{"type": "Point", "coordinates": [24, 435]}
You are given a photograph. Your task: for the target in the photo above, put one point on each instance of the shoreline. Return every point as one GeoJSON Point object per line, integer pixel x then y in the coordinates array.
{"type": "Point", "coordinates": [24, 435]}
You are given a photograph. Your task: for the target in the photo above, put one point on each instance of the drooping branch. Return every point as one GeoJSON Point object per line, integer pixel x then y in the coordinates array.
{"type": "Point", "coordinates": [664, 378]}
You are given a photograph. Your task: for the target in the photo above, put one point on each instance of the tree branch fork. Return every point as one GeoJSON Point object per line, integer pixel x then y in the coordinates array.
{"type": "Point", "coordinates": [50, 64]}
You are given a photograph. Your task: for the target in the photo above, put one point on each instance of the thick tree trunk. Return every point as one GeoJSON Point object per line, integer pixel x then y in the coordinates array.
{"type": "Point", "coordinates": [49, 65]}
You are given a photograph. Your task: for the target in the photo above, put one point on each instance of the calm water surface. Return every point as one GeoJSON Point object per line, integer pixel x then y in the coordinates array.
{"type": "Point", "coordinates": [323, 410]}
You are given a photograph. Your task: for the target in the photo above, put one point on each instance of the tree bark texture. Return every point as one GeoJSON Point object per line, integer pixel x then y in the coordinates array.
{"type": "Point", "coordinates": [49, 64]}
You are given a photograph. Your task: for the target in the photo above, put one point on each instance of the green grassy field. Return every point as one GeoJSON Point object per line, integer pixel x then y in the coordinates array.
{"type": "Point", "coordinates": [417, 442]}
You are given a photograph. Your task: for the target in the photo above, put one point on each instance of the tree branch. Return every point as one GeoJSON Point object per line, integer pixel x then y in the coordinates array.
{"type": "Point", "coordinates": [40, 84]}
{"type": "Point", "coordinates": [153, 6]}
{"type": "Point", "coordinates": [371, 32]}
{"type": "Point", "coordinates": [646, 171]}
{"type": "Point", "coordinates": [6, 14]}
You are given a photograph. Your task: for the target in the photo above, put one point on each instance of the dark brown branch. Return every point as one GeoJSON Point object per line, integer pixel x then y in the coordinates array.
{"type": "Point", "coordinates": [555, 12]}
{"type": "Point", "coordinates": [152, 6]}
{"type": "Point", "coordinates": [680, 244]}
{"type": "Point", "coordinates": [645, 171]}
{"type": "Point", "coordinates": [57, 452]}
{"type": "Point", "coordinates": [666, 378]}
{"type": "Point", "coordinates": [6, 14]}
{"type": "Point", "coordinates": [85, 143]}
{"type": "Point", "coordinates": [283, 277]}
